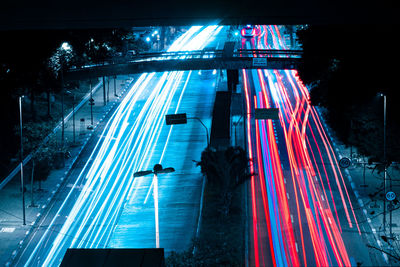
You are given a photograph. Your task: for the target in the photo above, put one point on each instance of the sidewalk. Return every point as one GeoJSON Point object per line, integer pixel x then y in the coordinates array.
{"type": "Point", "coordinates": [12, 231]}
{"type": "Point", "coordinates": [367, 185]}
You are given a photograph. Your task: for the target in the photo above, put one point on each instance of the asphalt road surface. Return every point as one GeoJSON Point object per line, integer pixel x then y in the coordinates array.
{"type": "Point", "coordinates": [301, 204]}
{"type": "Point", "coordinates": [106, 206]}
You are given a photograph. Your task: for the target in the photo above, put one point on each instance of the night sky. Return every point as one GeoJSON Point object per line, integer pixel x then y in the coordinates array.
{"type": "Point", "coordinates": [106, 13]}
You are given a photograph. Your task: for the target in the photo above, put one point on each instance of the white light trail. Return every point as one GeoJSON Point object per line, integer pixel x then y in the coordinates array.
{"type": "Point", "coordinates": [129, 139]}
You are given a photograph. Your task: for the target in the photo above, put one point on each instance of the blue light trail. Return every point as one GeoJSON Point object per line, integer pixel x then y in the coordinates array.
{"type": "Point", "coordinates": [125, 146]}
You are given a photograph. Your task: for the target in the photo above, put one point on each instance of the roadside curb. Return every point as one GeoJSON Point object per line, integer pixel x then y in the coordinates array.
{"type": "Point", "coordinates": [360, 202]}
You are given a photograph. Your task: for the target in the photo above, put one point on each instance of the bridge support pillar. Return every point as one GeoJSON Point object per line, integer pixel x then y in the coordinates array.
{"type": "Point", "coordinates": [232, 79]}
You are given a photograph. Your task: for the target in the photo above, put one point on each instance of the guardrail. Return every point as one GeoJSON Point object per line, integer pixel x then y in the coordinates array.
{"type": "Point", "coordinates": [27, 158]}
{"type": "Point", "coordinates": [203, 54]}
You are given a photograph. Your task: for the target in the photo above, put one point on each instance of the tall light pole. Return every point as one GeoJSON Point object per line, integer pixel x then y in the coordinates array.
{"type": "Point", "coordinates": [91, 103]}
{"type": "Point", "coordinates": [155, 197]}
{"type": "Point", "coordinates": [62, 106]}
{"type": "Point", "coordinates": [108, 89]}
{"type": "Point", "coordinates": [234, 125]}
{"type": "Point", "coordinates": [384, 162]}
{"type": "Point", "coordinates": [21, 157]}
{"type": "Point", "coordinates": [73, 114]}
{"type": "Point", "coordinates": [115, 85]}
{"type": "Point", "coordinates": [156, 170]}
{"type": "Point", "coordinates": [65, 47]}
{"type": "Point", "coordinates": [91, 100]}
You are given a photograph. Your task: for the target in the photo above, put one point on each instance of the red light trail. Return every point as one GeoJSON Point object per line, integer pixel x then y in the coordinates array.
{"type": "Point", "coordinates": [294, 222]}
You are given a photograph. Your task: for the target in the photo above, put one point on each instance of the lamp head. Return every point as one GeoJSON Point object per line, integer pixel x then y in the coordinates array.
{"type": "Point", "coordinates": [65, 46]}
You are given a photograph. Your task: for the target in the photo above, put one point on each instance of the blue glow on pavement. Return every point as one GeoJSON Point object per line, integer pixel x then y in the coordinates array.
{"type": "Point", "coordinates": [127, 142]}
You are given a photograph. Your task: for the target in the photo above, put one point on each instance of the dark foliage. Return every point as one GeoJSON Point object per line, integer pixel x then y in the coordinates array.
{"type": "Point", "coordinates": [44, 155]}
{"type": "Point", "coordinates": [220, 242]}
{"type": "Point", "coordinates": [346, 67]}
{"type": "Point", "coordinates": [30, 64]}
{"type": "Point", "coordinates": [225, 170]}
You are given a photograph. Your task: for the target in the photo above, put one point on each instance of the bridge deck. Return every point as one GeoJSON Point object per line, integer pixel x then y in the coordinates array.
{"type": "Point", "coordinates": [190, 60]}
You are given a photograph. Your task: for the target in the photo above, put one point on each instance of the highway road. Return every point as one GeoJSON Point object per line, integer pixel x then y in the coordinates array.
{"type": "Point", "coordinates": [106, 206]}
{"type": "Point", "coordinates": [301, 203]}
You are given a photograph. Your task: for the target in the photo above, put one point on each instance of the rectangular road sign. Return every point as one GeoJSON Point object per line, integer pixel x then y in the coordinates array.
{"type": "Point", "coordinates": [176, 119]}
{"type": "Point", "coordinates": [259, 62]}
{"type": "Point", "coordinates": [266, 113]}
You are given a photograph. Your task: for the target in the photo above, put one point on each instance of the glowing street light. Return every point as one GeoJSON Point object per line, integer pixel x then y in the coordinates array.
{"type": "Point", "coordinates": [156, 170]}
{"type": "Point", "coordinates": [65, 46]}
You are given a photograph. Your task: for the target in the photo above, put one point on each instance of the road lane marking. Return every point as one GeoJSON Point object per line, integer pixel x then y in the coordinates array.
{"type": "Point", "coordinates": [7, 230]}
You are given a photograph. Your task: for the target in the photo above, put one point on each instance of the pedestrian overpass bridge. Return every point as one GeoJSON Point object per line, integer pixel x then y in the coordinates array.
{"type": "Point", "coordinates": [206, 59]}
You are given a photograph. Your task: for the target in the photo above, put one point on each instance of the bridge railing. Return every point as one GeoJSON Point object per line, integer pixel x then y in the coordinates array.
{"type": "Point", "coordinates": [175, 55]}
{"type": "Point", "coordinates": [196, 54]}
{"type": "Point", "coordinates": [206, 54]}
{"type": "Point", "coordinates": [267, 53]}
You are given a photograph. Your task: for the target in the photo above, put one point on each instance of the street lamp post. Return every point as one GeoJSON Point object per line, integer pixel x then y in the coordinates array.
{"type": "Point", "coordinates": [91, 103]}
{"type": "Point", "coordinates": [171, 119]}
{"type": "Point", "coordinates": [73, 114]}
{"type": "Point", "coordinates": [108, 89]}
{"type": "Point", "coordinates": [155, 197]}
{"type": "Point", "coordinates": [115, 86]}
{"type": "Point", "coordinates": [62, 107]}
{"type": "Point", "coordinates": [234, 125]}
{"type": "Point", "coordinates": [21, 157]}
{"type": "Point", "coordinates": [65, 47]}
{"type": "Point", "coordinates": [205, 127]}
{"type": "Point", "coordinates": [384, 162]}
{"type": "Point", "coordinates": [156, 170]}
{"type": "Point", "coordinates": [385, 180]}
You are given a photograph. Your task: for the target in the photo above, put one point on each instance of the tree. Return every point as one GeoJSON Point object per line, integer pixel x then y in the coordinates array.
{"type": "Point", "coordinates": [345, 75]}
{"type": "Point", "coordinates": [43, 154]}
{"type": "Point", "coordinates": [43, 161]}
{"type": "Point", "coordinates": [220, 241]}
{"type": "Point", "coordinates": [225, 170]}
{"type": "Point", "coordinates": [30, 64]}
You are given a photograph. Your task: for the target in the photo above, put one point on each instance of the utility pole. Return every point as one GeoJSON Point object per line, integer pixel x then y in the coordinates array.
{"type": "Point", "coordinates": [108, 89]}
{"type": "Point", "coordinates": [205, 127]}
{"type": "Point", "coordinates": [155, 196]}
{"type": "Point", "coordinates": [73, 117]}
{"type": "Point", "coordinates": [115, 85]}
{"type": "Point", "coordinates": [21, 158]}
{"type": "Point", "coordinates": [384, 162]}
{"type": "Point", "coordinates": [156, 170]}
{"type": "Point", "coordinates": [104, 91]}
{"type": "Point", "coordinates": [91, 103]}
{"type": "Point", "coordinates": [62, 106]}
{"type": "Point", "coordinates": [181, 118]}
